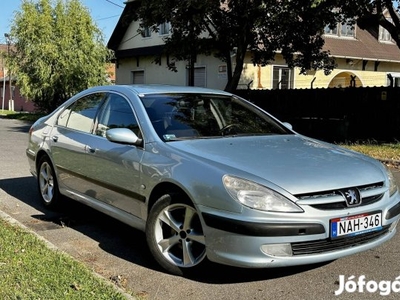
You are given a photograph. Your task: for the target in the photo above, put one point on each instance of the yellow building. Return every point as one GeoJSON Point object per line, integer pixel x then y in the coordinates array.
{"type": "Point", "coordinates": [363, 60]}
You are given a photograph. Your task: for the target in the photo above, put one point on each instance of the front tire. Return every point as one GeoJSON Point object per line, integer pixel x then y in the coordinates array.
{"type": "Point", "coordinates": [174, 234]}
{"type": "Point", "coordinates": [47, 183]}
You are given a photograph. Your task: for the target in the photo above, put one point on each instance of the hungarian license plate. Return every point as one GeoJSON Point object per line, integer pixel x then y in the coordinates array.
{"type": "Point", "coordinates": [354, 225]}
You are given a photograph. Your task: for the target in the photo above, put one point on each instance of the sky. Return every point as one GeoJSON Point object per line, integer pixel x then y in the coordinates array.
{"type": "Point", "coordinates": [105, 13]}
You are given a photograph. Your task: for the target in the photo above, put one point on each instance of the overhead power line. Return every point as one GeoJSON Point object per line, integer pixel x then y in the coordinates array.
{"type": "Point", "coordinates": [106, 18]}
{"type": "Point", "coordinates": [114, 3]}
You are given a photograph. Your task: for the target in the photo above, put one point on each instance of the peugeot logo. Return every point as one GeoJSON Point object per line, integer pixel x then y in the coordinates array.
{"type": "Point", "coordinates": [352, 196]}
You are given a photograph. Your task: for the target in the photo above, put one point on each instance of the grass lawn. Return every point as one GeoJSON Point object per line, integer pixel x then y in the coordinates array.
{"type": "Point", "coordinates": [29, 269]}
{"type": "Point", "coordinates": [378, 151]}
{"type": "Point", "coordinates": [31, 117]}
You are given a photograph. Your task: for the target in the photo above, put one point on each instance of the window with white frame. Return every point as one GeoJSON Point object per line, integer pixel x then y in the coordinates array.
{"type": "Point", "coordinates": [384, 35]}
{"type": "Point", "coordinates": [146, 32]}
{"type": "Point", "coordinates": [165, 28]}
{"type": "Point", "coordinates": [347, 30]}
{"type": "Point", "coordinates": [341, 30]}
{"type": "Point", "coordinates": [331, 30]}
{"type": "Point", "coordinates": [282, 78]}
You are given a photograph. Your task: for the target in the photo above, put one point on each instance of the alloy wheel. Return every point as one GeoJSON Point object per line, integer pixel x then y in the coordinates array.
{"type": "Point", "coordinates": [179, 236]}
{"type": "Point", "coordinates": [46, 182]}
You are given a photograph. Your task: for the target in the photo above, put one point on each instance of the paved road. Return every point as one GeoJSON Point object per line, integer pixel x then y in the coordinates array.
{"type": "Point", "coordinates": [119, 253]}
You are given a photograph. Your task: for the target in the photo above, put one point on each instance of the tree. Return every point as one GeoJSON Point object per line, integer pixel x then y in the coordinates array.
{"type": "Point", "coordinates": [59, 51]}
{"type": "Point", "coordinates": [231, 28]}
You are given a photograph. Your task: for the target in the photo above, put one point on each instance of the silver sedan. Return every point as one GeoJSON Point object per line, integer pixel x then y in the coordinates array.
{"type": "Point", "coordinates": [209, 176]}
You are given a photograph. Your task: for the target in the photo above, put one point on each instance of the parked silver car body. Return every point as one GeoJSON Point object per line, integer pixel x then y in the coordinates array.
{"type": "Point", "coordinates": [247, 195]}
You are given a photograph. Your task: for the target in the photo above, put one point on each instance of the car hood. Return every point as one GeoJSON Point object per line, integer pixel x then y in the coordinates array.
{"type": "Point", "coordinates": [293, 162]}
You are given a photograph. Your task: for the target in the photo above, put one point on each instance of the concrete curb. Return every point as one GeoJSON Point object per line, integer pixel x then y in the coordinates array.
{"type": "Point", "coordinates": [53, 247]}
{"type": "Point", "coordinates": [13, 221]}
{"type": "Point", "coordinates": [391, 162]}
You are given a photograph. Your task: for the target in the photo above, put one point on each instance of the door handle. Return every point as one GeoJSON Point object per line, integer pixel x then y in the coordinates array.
{"type": "Point", "coordinates": [89, 149]}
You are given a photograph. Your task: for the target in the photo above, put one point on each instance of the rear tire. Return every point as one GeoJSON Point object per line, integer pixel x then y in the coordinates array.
{"type": "Point", "coordinates": [175, 236]}
{"type": "Point", "coordinates": [47, 183]}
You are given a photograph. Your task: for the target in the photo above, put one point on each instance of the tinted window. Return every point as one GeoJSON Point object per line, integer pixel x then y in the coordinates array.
{"type": "Point", "coordinates": [116, 113]}
{"type": "Point", "coordinates": [80, 115]}
{"type": "Point", "coordinates": [178, 116]}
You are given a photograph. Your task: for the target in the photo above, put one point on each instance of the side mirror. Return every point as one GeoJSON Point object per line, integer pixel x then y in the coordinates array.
{"type": "Point", "coordinates": [123, 136]}
{"type": "Point", "coordinates": [288, 125]}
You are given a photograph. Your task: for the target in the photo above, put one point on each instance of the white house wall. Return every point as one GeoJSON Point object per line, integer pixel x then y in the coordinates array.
{"type": "Point", "coordinates": [160, 74]}
{"type": "Point", "coordinates": [133, 39]}
{"type": "Point", "coordinates": [154, 73]}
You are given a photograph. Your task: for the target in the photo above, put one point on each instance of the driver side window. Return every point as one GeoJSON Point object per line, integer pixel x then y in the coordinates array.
{"type": "Point", "coordinates": [116, 113]}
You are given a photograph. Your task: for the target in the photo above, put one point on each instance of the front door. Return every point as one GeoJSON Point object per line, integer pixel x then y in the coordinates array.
{"type": "Point", "coordinates": [117, 172]}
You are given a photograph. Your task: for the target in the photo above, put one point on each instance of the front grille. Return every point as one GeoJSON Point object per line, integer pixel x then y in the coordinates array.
{"type": "Point", "coordinates": [327, 245]}
{"type": "Point", "coordinates": [334, 200]}
{"type": "Point", "coordinates": [342, 204]}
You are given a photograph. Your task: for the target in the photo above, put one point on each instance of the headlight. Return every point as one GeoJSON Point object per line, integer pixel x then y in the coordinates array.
{"type": "Point", "coordinates": [392, 181]}
{"type": "Point", "coordinates": [257, 196]}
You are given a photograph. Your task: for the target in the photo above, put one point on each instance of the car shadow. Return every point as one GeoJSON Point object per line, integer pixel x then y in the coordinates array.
{"type": "Point", "coordinates": [19, 187]}
{"type": "Point", "coordinates": [222, 274]}
{"type": "Point", "coordinates": [123, 241]}
{"type": "Point", "coordinates": [21, 126]}
{"type": "Point", "coordinates": [24, 127]}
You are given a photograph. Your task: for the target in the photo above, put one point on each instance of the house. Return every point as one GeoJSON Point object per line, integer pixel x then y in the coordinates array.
{"type": "Point", "coordinates": [365, 57]}
{"type": "Point", "coordinates": [11, 98]}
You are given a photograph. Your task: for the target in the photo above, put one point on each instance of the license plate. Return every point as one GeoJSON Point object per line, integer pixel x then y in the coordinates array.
{"type": "Point", "coordinates": [354, 225]}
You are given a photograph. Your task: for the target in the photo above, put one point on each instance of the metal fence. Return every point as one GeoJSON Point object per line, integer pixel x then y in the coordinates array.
{"type": "Point", "coordinates": [335, 115]}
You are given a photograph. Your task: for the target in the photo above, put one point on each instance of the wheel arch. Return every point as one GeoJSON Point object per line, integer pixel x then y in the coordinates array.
{"type": "Point", "coordinates": [165, 188]}
{"type": "Point", "coordinates": [39, 156]}
{"type": "Point", "coordinates": [41, 153]}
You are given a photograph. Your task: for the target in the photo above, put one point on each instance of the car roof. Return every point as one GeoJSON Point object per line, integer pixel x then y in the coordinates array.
{"type": "Point", "coordinates": [147, 89]}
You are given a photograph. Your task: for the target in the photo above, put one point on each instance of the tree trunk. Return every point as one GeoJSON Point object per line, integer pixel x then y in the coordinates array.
{"type": "Point", "coordinates": [233, 81]}
{"type": "Point", "coordinates": [192, 60]}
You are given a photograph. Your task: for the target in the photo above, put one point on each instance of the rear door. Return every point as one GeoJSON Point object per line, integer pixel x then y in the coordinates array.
{"type": "Point", "coordinates": [69, 140]}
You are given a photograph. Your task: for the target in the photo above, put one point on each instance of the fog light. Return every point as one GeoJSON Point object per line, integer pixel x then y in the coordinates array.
{"type": "Point", "coordinates": [277, 249]}
{"type": "Point", "coordinates": [393, 225]}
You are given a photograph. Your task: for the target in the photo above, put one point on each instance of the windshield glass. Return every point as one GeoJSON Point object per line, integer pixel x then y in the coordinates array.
{"type": "Point", "coordinates": [183, 116]}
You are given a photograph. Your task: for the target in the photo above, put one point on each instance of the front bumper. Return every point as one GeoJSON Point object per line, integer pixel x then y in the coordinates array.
{"type": "Point", "coordinates": [243, 242]}
{"type": "Point", "coordinates": [31, 155]}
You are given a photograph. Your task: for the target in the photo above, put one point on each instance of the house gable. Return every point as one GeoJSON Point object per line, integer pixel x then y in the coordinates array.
{"type": "Point", "coordinates": [127, 17]}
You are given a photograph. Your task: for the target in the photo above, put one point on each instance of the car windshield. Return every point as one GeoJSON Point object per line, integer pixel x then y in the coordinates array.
{"type": "Point", "coordinates": [188, 116]}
